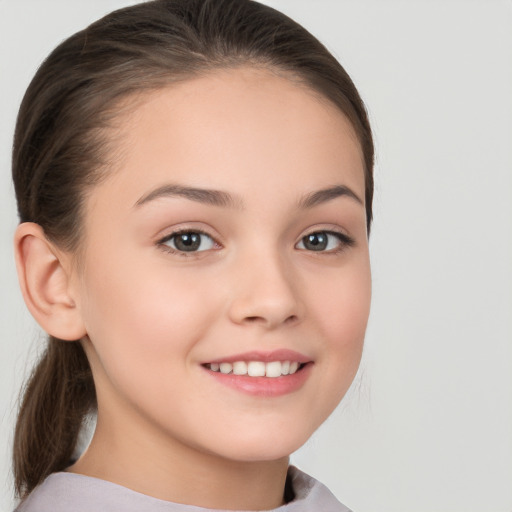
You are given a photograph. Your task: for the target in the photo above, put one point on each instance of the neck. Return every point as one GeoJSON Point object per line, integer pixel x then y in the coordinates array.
{"type": "Point", "coordinates": [174, 472]}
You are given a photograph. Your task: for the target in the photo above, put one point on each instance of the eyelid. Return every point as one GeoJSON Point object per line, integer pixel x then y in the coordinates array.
{"type": "Point", "coordinates": [186, 227]}
{"type": "Point", "coordinates": [345, 240]}
{"type": "Point", "coordinates": [173, 232]}
{"type": "Point", "coordinates": [335, 229]}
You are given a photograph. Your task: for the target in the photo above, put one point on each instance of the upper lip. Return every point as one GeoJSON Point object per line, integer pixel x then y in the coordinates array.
{"type": "Point", "coordinates": [264, 356]}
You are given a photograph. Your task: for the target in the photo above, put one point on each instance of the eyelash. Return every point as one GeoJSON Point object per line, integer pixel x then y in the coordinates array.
{"type": "Point", "coordinates": [344, 240]}
{"type": "Point", "coordinates": [162, 243]}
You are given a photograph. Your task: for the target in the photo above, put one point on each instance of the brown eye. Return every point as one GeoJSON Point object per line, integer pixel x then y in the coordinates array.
{"type": "Point", "coordinates": [189, 241]}
{"type": "Point", "coordinates": [325, 241]}
{"type": "Point", "coordinates": [316, 241]}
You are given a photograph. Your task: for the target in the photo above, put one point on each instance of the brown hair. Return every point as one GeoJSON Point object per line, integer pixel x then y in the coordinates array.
{"type": "Point", "coordinates": [61, 150]}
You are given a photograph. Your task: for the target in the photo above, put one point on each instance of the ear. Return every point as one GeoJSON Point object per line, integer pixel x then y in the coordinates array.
{"type": "Point", "coordinates": [44, 274]}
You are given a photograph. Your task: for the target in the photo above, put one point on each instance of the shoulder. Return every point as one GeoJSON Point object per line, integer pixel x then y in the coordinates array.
{"type": "Point", "coordinates": [69, 492]}
{"type": "Point", "coordinates": [310, 494]}
{"type": "Point", "coordinates": [63, 492]}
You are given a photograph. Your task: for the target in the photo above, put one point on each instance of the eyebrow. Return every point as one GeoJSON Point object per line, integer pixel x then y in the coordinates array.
{"type": "Point", "coordinates": [200, 195]}
{"type": "Point", "coordinates": [224, 199]}
{"type": "Point", "coordinates": [327, 194]}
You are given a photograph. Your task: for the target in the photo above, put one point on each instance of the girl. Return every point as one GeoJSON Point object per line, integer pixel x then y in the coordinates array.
{"type": "Point", "coordinates": [194, 184]}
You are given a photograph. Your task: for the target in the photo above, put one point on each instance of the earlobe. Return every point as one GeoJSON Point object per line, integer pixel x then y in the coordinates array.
{"type": "Point", "coordinates": [45, 283]}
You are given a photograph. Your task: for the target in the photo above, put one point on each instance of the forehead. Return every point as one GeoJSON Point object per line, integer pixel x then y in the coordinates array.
{"type": "Point", "coordinates": [236, 128]}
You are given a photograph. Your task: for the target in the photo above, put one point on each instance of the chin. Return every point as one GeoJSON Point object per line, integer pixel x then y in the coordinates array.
{"type": "Point", "coordinates": [262, 446]}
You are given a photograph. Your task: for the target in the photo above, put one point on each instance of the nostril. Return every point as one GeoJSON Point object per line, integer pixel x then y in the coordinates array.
{"type": "Point", "coordinates": [254, 319]}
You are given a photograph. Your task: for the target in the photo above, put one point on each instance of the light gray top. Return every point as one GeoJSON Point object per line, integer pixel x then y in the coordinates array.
{"type": "Point", "coordinates": [69, 492]}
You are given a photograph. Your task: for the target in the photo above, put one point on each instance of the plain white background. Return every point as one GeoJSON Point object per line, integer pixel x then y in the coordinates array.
{"type": "Point", "coordinates": [428, 425]}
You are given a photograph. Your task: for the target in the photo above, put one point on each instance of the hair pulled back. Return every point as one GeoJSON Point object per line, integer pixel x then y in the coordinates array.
{"type": "Point", "coordinates": [61, 150]}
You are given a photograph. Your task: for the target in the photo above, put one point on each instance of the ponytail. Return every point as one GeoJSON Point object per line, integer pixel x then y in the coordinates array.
{"type": "Point", "coordinates": [56, 398]}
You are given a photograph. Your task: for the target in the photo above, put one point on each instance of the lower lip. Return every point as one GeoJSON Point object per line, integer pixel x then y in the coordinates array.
{"type": "Point", "coordinates": [264, 386]}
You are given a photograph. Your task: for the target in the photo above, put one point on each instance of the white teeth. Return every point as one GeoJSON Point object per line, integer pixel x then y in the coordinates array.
{"type": "Point", "coordinates": [257, 368]}
{"type": "Point", "coordinates": [273, 369]}
{"type": "Point", "coordinates": [226, 367]}
{"type": "Point", "coordinates": [240, 368]}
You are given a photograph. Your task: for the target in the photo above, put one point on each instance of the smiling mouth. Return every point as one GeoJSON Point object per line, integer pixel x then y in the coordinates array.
{"type": "Point", "coordinates": [270, 369]}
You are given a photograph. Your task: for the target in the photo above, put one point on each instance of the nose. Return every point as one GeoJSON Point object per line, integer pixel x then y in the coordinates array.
{"type": "Point", "coordinates": [265, 292]}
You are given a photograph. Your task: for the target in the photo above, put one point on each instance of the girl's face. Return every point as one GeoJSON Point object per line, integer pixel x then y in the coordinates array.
{"type": "Point", "coordinates": [233, 231]}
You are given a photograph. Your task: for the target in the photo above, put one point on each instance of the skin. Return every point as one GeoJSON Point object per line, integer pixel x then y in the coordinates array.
{"type": "Point", "coordinates": [151, 317]}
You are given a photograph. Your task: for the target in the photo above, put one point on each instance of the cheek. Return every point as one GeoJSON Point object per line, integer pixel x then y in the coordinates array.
{"type": "Point", "coordinates": [344, 299]}
{"type": "Point", "coordinates": [338, 306]}
{"type": "Point", "coordinates": [139, 314]}
{"type": "Point", "coordinates": [342, 306]}
{"type": "Point", "coordinates": [143, 323]}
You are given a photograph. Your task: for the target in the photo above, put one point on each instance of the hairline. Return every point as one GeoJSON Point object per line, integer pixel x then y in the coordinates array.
{"type": "Point", "coordinates": [127, 103]}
